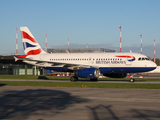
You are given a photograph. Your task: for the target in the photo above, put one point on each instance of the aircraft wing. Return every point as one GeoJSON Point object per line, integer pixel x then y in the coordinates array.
{"type": "Point", "coordinates": [78, 66]}
{"type": "Point", "coordinates": [71, 66]}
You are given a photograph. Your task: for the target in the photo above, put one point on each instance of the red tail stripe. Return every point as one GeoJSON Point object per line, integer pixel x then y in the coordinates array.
{"type": "Point", "coordinates": [123, 56]}
{"type": "Point", "coordinates": [23, 56]}
{"type": "Point", "coordinates": [27, 36]}
{"type": "Point", "coordinates": [34, 52]}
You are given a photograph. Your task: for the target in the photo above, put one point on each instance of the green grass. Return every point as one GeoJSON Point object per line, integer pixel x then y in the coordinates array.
{"type": "Point", "coordinates": [79, 84]}
{"type": "Point", "coordinates": [75, 84]}
{"type": "Point", "coordinates": [32, 77]}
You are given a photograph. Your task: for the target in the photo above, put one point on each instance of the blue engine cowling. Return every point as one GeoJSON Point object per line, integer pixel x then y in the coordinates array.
{"type": "Point", "coordinates": [88, 73]}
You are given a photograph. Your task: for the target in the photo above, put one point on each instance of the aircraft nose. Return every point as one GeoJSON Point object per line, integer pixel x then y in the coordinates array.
{"type": "Point", "coordinates": [152, 64]}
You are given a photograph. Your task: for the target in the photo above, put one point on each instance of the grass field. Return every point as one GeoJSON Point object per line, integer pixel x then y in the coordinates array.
{"type": "Point", "coordinates": [80, 84]}
{"type": "Point", "coordinates": [33, 77]}
{"type": "Point", "coordinates": [75, 84]}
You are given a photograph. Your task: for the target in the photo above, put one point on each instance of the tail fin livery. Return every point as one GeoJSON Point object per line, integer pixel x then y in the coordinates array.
{"type": "Point", "coordinates": [31, 46]}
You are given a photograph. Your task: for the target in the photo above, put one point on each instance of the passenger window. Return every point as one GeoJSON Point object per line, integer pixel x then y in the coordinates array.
{"type": "Point", "coordinates": [139, 58]}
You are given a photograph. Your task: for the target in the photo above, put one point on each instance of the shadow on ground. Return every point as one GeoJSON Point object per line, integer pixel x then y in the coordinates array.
{"type": "Point", "coordinates": [107, 112]}
{"type": "Point", "coordinates": [2, 85]}
{"type": "Point", "coordinates": [101, 112]}
{"type": "Point", "coordinates": [110, 80]}
{"type": "Point", "coordinates": [43, 77]}
{"type": "Point", "coordinates": [21, 104]}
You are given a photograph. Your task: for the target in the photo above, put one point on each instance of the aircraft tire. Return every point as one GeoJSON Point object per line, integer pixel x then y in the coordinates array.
{"type": "Point", "coordinates": [73, 79]}
{"type": "Point", "coordinates": [132, 80]}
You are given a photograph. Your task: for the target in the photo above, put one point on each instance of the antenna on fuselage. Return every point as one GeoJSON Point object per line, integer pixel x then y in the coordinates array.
{"type": "Point", "coordinates": [67, 51]}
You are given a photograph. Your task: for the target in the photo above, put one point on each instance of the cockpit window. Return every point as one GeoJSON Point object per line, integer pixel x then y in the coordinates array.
{"type": "Point", "coordinates": [143, 58]}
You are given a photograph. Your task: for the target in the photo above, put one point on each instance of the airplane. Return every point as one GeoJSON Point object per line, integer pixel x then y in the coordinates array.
{"type": "Point", "coordinates": [84, 65]}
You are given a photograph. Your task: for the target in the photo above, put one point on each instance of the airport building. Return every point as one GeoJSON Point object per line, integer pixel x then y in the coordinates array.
{"type": "Point", "coordinates": [8, 66]}
{"type": "Point", "coordinates": [90, 50]}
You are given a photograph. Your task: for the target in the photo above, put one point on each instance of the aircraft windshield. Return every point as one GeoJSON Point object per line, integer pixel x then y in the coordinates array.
{"type": "Point", "coordinates": [143, 58]}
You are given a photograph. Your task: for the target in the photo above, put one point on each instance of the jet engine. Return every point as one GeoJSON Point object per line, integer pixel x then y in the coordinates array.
{"type": "Point", "coordinates": [88, 73]}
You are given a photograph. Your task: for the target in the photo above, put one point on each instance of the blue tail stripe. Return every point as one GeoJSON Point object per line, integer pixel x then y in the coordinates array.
{"type": "Point", "coordinates": [29, 45]}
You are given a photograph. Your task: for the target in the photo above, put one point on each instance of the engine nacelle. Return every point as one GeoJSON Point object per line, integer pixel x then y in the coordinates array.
{"type": "Point", "coordinates": [115, 75]}
{"type": "Point", "coordinates": [88, 73]}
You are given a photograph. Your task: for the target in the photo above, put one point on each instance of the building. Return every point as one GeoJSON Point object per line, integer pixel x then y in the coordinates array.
{"type": "Point", "coordinates": [8, 66]}
{"type": "Point", "coordinates": [89, 50]}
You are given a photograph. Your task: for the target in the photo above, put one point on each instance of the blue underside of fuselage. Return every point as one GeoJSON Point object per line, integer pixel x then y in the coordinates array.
{"type": "Point", "coordinates": [107, 69]}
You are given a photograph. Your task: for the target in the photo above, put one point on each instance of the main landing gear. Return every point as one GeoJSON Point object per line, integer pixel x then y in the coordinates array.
{"type": "Point", "coordinates": [74, 78]}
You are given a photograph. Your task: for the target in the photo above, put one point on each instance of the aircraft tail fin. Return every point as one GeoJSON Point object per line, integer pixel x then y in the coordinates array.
{"type": "Point", "coordinates": [30, 45]}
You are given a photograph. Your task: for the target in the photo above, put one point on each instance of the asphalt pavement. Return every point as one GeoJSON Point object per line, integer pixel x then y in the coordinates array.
{"type": "Point", "coordinates": [64, 103]}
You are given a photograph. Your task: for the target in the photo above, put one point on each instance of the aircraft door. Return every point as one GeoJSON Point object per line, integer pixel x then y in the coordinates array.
{"type": "Point", "coordinates": [128, 62]}
{"type": "Point", "coordinates": [90, 60]}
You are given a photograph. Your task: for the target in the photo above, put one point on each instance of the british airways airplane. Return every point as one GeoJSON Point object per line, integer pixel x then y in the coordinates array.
{"type": "Point", "coordinates": [84, 65]}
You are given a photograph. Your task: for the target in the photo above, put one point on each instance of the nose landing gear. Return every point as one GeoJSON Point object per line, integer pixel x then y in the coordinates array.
{"type": "Point", "coordinates": [132, 79]}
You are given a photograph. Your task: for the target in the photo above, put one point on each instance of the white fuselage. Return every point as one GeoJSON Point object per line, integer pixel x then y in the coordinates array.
{"type": "Point", "coordinates": [106, 62]}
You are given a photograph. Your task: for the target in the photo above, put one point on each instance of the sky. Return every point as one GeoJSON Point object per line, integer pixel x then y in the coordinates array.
{"type": "Point", "coordinates": [92, 22]}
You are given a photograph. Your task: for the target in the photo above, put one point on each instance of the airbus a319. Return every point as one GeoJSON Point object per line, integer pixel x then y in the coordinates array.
{"type": "Point", "coordinates": [84, 65]}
